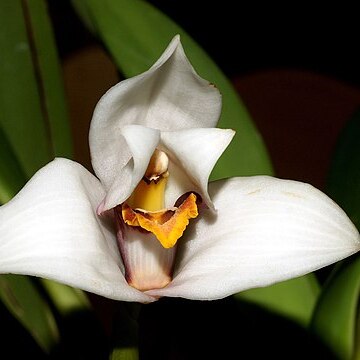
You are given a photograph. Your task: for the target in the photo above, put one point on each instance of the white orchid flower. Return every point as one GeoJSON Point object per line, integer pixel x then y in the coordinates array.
{"type": "Point", "coordinates": [153, 144]}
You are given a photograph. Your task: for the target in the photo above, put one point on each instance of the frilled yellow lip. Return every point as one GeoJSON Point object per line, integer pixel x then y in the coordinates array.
{"type": "Point", "coordinates": [167, 225]}
{"type": "Point", "coordinates": [145, 208]}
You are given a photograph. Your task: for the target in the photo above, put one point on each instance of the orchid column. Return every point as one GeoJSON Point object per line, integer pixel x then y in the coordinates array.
{"type": "Point", "coordinates": [149, 224]}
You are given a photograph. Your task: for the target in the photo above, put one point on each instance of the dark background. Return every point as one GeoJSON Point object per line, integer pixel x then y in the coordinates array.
{"type": "Point", "coordinates": [244, 39]}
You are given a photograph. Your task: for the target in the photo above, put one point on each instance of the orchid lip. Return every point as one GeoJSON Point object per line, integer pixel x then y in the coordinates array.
{"type": "Point", "coordinates": [167, 225]}
{"type": "Point", "coordinates": [143, 219]}
{"type": "Point", "coordinates": [145, 208]}
{"type": "Point", "coordinates": [147, 264]}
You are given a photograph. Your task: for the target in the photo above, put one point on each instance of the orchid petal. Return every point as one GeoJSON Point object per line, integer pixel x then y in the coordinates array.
{"type": "Point", "coordinates": [141, 142]}
{"type": "Point", "coordinates": [196, 152]}
{"type": "Point", "coordinates": [169, 96]}
{"type": "Point", "coordinates": [50, 230]}
{"type": "Point", "coordinates": [267, 230]}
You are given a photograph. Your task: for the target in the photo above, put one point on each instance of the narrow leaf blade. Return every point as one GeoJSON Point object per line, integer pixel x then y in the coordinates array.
{"type": "Point", "coordinates": [12, 177]}
{"type": "Point", "coordinates": [343, 183]}
{"type": "Point", "coordinates": [294, 299]}
{"type": "Point", "coordinates": [66, 299]}
{"type": "Point", "coordinates": [337, 311]}
{"type": "Point", "coordinates": [20, 109]}
{"type": "Point", "coordinates": [24, 301]}
{"type": "Point", "coordinates": [51, 87]}
{"type": "Point", "coordinates": [334, 319]}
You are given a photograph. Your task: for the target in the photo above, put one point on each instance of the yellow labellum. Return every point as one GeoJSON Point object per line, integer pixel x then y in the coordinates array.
{"type": "Point", "coordinates": [167, 225]}
{"type": "Point", "coordinates": [145, 206]}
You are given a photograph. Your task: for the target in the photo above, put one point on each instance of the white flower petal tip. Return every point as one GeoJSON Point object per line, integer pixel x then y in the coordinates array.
{"type": "Point", "coordinates": [141, 151]}
{"type": "Point", "coordinates": [168, 52]}
{"type": "Point", "coordinates": [196, 151]}
{"type": "Point", "coordinates": [169, 96]}
{"type": "Point", "coordinates": [141, 142]}
{"type": "Point", "coordinates": [50, 229]}
{"type": "Point", "coordinates": [266, 230]}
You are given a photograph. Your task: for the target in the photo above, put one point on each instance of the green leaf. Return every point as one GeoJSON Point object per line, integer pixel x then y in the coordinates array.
{"type": "Point", "coordinates": [294, 299]}
{"type": "Point", "coordinates": [136, 33]}
{"type": "Point", "coordinates": [343, 183]}
{"type": "Point", "coordinates": [50, 82]}
{"type": "Point", "coordinates": [20, 108]}
{"type": "Point", "coordinates": [24, 301]}
{"type": "Point", "coordinates": [334, 319]}
{"type": "Point", "coordinates": [336, 314]}
{"type": "Point", "coordinates": [32, 107]}
{"type": "Point", "coordinates": [357, 338]}
{"type": "Point", "coordinates": [125, 332]}
{"type": "Point", "coordinates": [12, 177]}
{"type": "Point", "coordinates": [125, 354]}
{"type": "Point", "coordinates": [65, 298]}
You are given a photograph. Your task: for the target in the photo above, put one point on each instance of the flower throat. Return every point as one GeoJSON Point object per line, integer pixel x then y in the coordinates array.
{"type": "Point", "coordinates": [145, 208]}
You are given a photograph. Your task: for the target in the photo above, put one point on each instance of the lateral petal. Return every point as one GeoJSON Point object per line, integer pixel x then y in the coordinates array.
{"type": "Point", "coordinates": [266, 230]}
{"type": "Point", "coordinates": [196, 152]}
{"type": "Point", "coordinates": [141, 142]}
{"type": "Point", "coordinates": [50, 229]}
